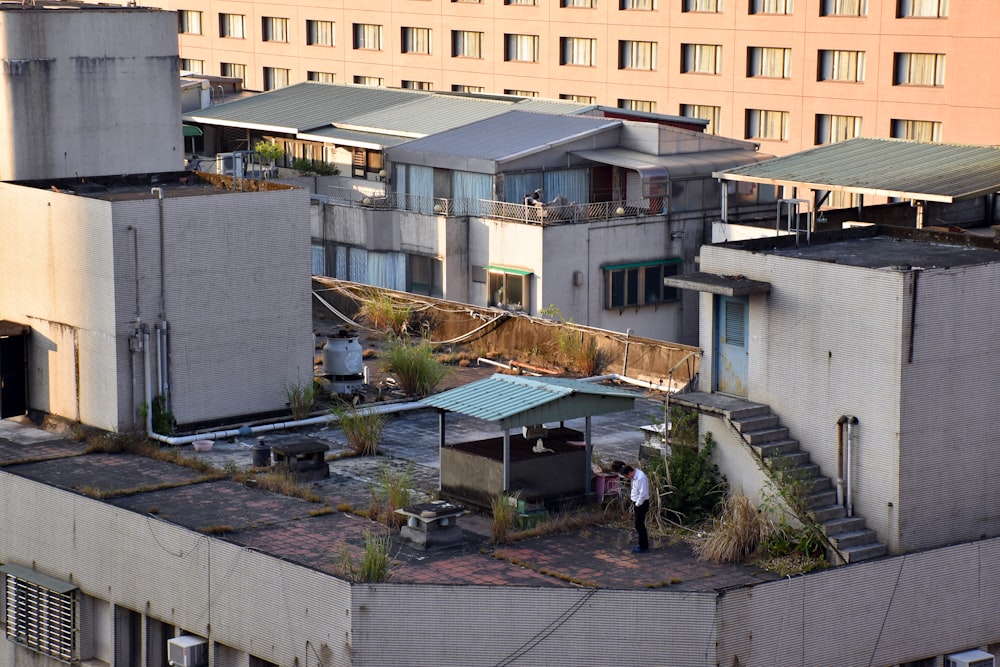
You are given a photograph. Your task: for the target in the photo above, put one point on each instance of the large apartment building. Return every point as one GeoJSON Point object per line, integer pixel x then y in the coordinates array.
{"type": "Point", "coordinates": [789, 74]}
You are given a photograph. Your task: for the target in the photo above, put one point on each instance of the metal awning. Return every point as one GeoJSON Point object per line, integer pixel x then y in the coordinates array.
{"type": "Point", "coordinates": [883, 167]}
{"type": "Point", "coordinates": [191, 130]}
{"type": "Point", "coordinates": [513, 401]}
{"type": "Point", "coordinates": [496, 268]}
{"type": "Point", "coordinates": [718, 284]}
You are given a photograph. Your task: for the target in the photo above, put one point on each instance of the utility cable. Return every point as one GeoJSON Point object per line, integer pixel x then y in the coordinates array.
{"type": "Point", "coordinates": [547, 631]}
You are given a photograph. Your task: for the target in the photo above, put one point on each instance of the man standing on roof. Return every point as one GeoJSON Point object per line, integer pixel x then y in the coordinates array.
{"type": "Point", "coordinates": [640, 499]}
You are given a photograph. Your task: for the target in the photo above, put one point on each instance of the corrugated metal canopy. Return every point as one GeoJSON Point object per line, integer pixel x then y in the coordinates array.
{"type": "Point", "coordinates": [341, 137]}
{"type": "Point", "coordinates": [514, 401]}
{"type": "Point", "coordinates": [678, 165]}
{"type": "Point", "coordinates": [886, 167]}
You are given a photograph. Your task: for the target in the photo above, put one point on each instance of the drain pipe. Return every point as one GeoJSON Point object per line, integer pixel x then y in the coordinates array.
{"type": "Point", "coordinates": [384, 409]}
{"type": "Point", "coordinates": [840, 459]}
{"type": "Point", "coordinates": [149, 382]}
{"type": "Point", "coordinates": [851, 423]}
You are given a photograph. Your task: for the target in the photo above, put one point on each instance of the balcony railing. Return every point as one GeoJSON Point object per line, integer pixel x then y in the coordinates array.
{"type": "Point", "coordinates": [537, 214]}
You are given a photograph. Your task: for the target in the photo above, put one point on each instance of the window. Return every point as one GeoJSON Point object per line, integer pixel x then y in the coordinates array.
{"type": "Point", "coordinates": [424, 275]}
{"type": "Point", "coordinates": [520, 93]}
{"type": "Point", "coordinates": [366, 161]}
{"type": "Point", "coordinates": [769, 62]}
{"type": "Point", "coordinates": [647, 5]}
{"type": "Point", "coordinates": [520, 2]}
{"type": "Point", "coordinates": [274, 29]}
{"type": "Point", "coordinates": [189, 22]}
{"type": "Point", "coordinates": [637, 105]}
{"type": "Point", "coordinates": [417, 85]}
{"type": "Point", "coordinates": [508, 288]}
{"type": "Point", "coordinates": [42, 613]}
{"type": "Point", "coordinates": [416, 40]}
{"type": "Point", "coordinates": [636, 55]}
{"type": "Point", "coordinates": [712, 114]}
{"type": "Point", "coordinates": [232, 25]}
{"type": "Point", "coordinates": [830, 128]}
{"type": "Point", "coordinates": [233, 70]}
{"type": "Point", "coordinates": [276, 77]}
{"type": "Point", "coordinates": [842, 66]}
{"type": "Point", "coordinates": [772, 6]}
{"type": "Point", "coordinates": [576, 3]}
{"type": "Point", "coordinates": [520, 48]}
{"type": "Point", "coordinates": [580, 51]}
{"type": "Point", "coordinates": [579, 99]}
{"type": "Point", "coordinates": [639, 283]}
{"type": "Point", "coordinates": [702, 6]}
{"type": "Point", "coordinates": [916, 130]}
{"type": "Point", "coordinates": [368, 36]}
{"type": "Point", "coordinates": [918, 69]}
{"type": "Point", "coordinates": [466, 44]}
{"type": "Point", "coordinates": [762, 124]}
{"type": "Point", "coordinates": [322, 77]}
{"type": "Point", "coordinates": [477, 2]}
{"type": "Point", "coordinates": [844, 8]}
{"type": "Point", "coordinates": [319, 33]}
{"type": "Point", "coordinates": [460, 88]}
{"type": "Point", "coordinates": [369, 80]}
{"type": "Point", "coordinates": [701, 58]}
{"type": "Point", "coordinates": [922, 9]}
{"type": "Point", "coordinates": [193, 66]}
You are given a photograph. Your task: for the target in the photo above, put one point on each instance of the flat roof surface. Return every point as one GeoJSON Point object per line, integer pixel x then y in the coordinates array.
{"type": "Point", "coordinates": [886, 167]}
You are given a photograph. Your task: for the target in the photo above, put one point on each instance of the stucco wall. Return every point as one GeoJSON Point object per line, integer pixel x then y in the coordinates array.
{"type": "Point", "coordinates": [89, 93]}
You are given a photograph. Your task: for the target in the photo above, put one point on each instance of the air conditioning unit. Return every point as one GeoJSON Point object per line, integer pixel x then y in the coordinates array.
{"type": "Point", "coordinates": [187, 651]}
{"type": "Point", "coordinates": [974, 658]}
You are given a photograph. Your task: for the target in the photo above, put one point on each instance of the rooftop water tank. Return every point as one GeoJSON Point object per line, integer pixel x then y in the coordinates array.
{"type": "Point", "coordinates": [342, 362]}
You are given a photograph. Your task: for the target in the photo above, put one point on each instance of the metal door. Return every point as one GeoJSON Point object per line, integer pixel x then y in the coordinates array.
{"type": "Point", "coordinates": [13, 376]}
{"type": "Point", "coordinates": [731, 344]}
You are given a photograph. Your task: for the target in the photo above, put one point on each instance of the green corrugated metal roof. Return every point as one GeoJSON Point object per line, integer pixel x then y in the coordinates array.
{"type": "Point", "coordinates": [887, 167]}
{"type": "Point", "coordinates": [514, 401]}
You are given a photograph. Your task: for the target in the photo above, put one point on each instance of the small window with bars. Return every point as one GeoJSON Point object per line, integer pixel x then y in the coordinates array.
{"type": "Point", "coordinates": [42, 613]}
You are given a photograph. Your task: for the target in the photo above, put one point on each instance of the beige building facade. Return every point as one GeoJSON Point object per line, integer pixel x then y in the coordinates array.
{"type": "Point", "coordinates": [787, 73]}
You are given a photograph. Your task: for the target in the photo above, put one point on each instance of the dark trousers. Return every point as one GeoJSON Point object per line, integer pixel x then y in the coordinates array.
{"type": "Point", "coordinates": [640, 524]}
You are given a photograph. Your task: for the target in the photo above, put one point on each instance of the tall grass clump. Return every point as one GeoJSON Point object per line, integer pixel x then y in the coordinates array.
{"type": "Point", "coordinates": [361, 428]}
{"type": "Point", "coordinates": [736, 533]}
{"type": "Point", "coordinates": [577, 350]}
{"type": "Point", "coordinates": [382, 312]}
{"type": "Point", "coordinates": [392, 490]}
{"type": "Point", "coordinates": [375, 562]}
{"type": "Point", "coordinates": [504, 510]}
{"type": "Point", "coordinates": [415, 366]}
{"type": "Point", "coordinates": [300, 394]}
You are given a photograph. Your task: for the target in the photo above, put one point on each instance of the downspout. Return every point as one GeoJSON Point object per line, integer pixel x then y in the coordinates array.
{"type": "Point", "coordinates": [134, 333]}
{"type": "Point", "coordinates": [840, 459]}
{"type": "Point", "coordinates": [851, 423]}
{"type": "Point", "coordinates": [628, 333]}
{"type": "Point", "coordinates": [162, 341]}
{"type": "Point", "coordinates": [149, 384]}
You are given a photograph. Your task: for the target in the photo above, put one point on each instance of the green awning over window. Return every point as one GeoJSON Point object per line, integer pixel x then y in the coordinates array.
{"type": "Point", "coordinates": [191, 130]}
{"type": "Point", "coordinates": [635, 265]}
{"type": "Point", "coordinates": [506, 269]}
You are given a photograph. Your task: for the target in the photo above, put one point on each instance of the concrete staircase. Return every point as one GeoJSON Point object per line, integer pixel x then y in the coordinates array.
{"type": "Point", "coordinates": [763, 432]}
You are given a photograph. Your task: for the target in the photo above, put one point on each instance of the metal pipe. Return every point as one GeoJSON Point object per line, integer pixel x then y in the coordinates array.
{"type": "Point", "coordinates": [149, 383]}
{"type": "Point", "coordinates": [628, 334]}
{"type": "Point", "coordinates": [840, 459]}
{"type": "Point", "coordinates": [851, 423]}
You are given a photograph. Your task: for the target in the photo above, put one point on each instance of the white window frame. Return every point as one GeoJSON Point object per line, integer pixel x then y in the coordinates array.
{"type": "Point", "coordinates": [367, 37]}
{"type": "Point", "coordinates": [712, 114]}
{"type": "Point", "coordinates": [521, 48]}
{"type": "Point", "coordinates": [843, 66]}
{"type": "Point", "coordinates": [701, 58]}
{"type": "Point", "coordinates": [636, 54]}
{"type": "Point", "coordinates": [321, 33]}
{"type": "Point", "coordinates": [854, 8]}
{"type": "Point", "coordinates": [416, 40]}
{"type": "Point", "coordinates": [578, 51]}
{"type": "Point", "coordinates": [274, 29]}
{"type": "Point", "coordinates": [769, 62]}
{"type": "Point", "coordinates": [232, 26]}
{"type": "Point", "coordinates": [928, 9]}
{"type": "Point", "coordinates": [767, 124]}
{"type": "Point", "coordinates": [189, 22]}
{"type": "Point", "coordinates": [466, 44]}
{"type": "Point", "coordinates": [42, 613]}
{"type": "Point", "coordinates": [918, 69]}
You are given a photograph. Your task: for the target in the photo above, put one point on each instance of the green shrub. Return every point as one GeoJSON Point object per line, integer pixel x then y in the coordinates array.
{"type": "Point", "coordinates": [361, 429]}
{"type": "Point", "coordinates": [696, 485]}
{"type": "Point", "coordinates": [415, 366]}
{"type": "Point", "coordinates": [269, 150]}
{"type": "Point", "coordinates": [163, 419]}
{"type": "Point", "coordinates": [392, 491]}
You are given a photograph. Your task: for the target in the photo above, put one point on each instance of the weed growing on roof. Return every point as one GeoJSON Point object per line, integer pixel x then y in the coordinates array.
{"type": "Point", "coordinates": [300, 394]}
{"type": "Point", "coordinates": [380, 311]}
{"type": "Point", "coordinates": [736, 533]}
{"type": "Point", "coordinates": [504, 511]}
{"type": "Point", "coordinates": [375, 563]}
{"type": "Point", "coordinates": [361, 428]}
{"type": "Point", "coordinates": [392, 490]}
{"type": "Point", "coordinates": [415, 366]}
{"type": "Point", "coordinates": [280, 480]}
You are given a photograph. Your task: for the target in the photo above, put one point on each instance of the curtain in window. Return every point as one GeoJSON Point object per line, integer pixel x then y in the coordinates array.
{"type": "Point", "coordinates": [467, 43]}
{"type": "Point", "coordinates": [705, 58]}
{"type": "Point", "coordinates": [921, 69]}
{"type": "Point", "coordinates": [573, 184]}
{"type": "Point", "coordinates": [578, 3]}
{"type": "Point", "coordinates": [275, 29]}
{"type": "Point", "coordinates": [191, 22]}
{"type": "Point", "coordinates": [418, 186]}
{"type": "Point", "coordinates": [843, 128]}
{"type": "Point", "coordinates": [522, 47]}
{"type": "Point", "coordinates": [705, 5]}
{"type": "Point", "coordinates": [275, 77]}
{"type": "Point", "coordinates": [318, 261]}
{"type": "Point", "coordinates": [710, 113]}
{"type": "Point", "coordinates": [387, 269]}
{"type": "Point", "coordinates": [776, 6]}
{"type": "Point", "coordinates": [320, 33]}
{"type": "Point", "coordinates": [233, 25]}
{"type": "Point", "coordinates": [340, 262]}
{"type": "Point", "coordinates": [926, 8]}
{"type": "Point", "coordinates": [357, 265]}
{"type": "Point", "coordinates": [847, 65]}
{"type": "Point", "coordinates": [638, 55]}
{"type": "Point", "coordinates": [467, 189]}
{"type": "Point", "coordinates": [762, 124]}
{"type": "Point", "coordinates": [518, 185]}
{"type": "Point", "coordinates": [846, 7]}
{"type": "Point", "coordinates": [638, 4]}
{"type": "Point", "coordinates": [368, 36]}
{"type": "Point", "coordinates": [771, 62]}
{"type": "Point", "coordinates": [917, 130]}
{"type": "Point", "coordinates": [579, 51]}
{"type": "Point", "coordinates": [416, 40]}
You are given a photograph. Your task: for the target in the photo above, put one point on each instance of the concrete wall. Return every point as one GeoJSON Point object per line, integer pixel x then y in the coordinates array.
{"type": "Point", "coordinates": [833, 340]}
{"type": "Point", "coordinates": [89, 93]}
{"type": "Point", "coordinates": [57, 274]}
